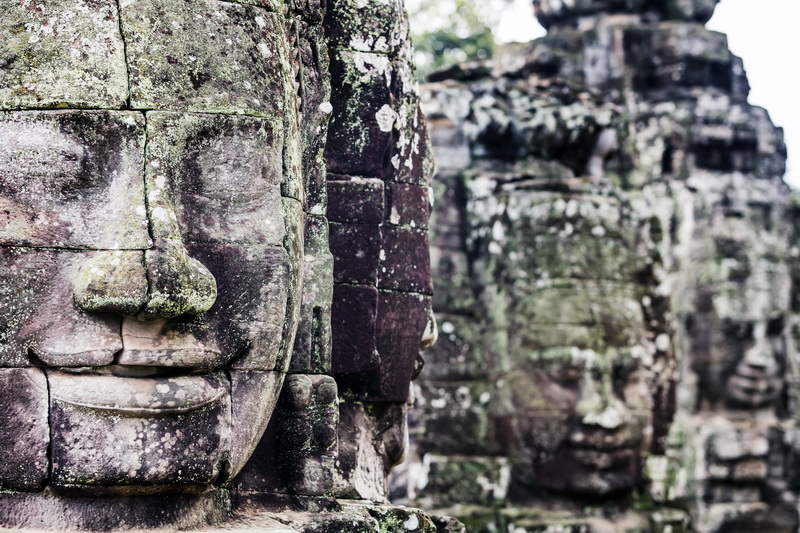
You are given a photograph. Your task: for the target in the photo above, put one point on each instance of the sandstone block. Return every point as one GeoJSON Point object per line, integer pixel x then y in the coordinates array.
{"type": "Point", "coordinates": [62, 54]}
{"type": "Point", "coordinates": [24, 429]}
{"type": "Point", "coordinates": [356, 252]}
{"type": "Point", "coordinates": [232, 58]}
{"type": "Point", "coordinates": [355, 312]}
{"type": "Point", "coordinates": [357, 201]}
{"type": "Point", "coordinates": [72, 179]}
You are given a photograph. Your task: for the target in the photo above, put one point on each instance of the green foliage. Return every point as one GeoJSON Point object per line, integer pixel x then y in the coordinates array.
{"type": "Point", "coordinates": [453, 31]}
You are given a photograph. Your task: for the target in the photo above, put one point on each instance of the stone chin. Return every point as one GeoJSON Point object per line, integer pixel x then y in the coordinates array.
{"type": "Point", "coordinates": [749, 392]}
{"type": "Point", "coordinates": [587, 471]}
{"type": "Point", "coordinates": [114, 434]}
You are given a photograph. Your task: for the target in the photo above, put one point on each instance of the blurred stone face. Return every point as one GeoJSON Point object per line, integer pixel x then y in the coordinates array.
{"type": "Point", "coordinates": [583, 416]}
{"type": "Point", "coordinates": [760, 352]}
{"type": "Point", "coordinates": [583, 332]}
{"type": "Point", "coordinates": [146, 292]}
{"type": "Point", "coordinates": [737, 335]}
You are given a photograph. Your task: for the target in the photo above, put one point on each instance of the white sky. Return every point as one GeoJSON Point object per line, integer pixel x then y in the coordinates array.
{"type": "Point", "coordinates": [766, 37]}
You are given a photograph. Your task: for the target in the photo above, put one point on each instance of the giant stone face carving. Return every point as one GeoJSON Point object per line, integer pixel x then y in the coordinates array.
{"type": "Point", "coordinates": [148, 256]}
{"type": "Point", "coordinates": [586, 344]}
{"type": "Point", "coordinates": [137, 327]}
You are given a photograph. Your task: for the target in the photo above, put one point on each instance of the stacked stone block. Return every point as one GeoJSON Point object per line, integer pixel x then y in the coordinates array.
{"type": "Point", "coordinates": [636, 102]}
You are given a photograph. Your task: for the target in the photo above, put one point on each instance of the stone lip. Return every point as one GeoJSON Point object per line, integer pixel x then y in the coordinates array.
{"type": "Point", "coordinates": [138, 396]}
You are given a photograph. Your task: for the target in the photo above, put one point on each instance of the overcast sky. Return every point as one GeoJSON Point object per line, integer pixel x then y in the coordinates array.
{"type": "Point", "coordinates": [763, 32]}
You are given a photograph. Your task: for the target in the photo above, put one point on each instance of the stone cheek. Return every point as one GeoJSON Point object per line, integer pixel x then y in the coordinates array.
{"type": "Point", "coordinates": [251, 308]}
{"type": "Point", "coordinates": [24, 429]}
{"type": "Point", "coordinates": [72, 179]}
{"type": "Point", "coordinates": [38, 315]}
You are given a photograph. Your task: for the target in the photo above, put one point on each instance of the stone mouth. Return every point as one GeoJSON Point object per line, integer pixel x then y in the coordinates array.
{"type": "Point", "coordinates": [752, 390]}
{"type": "Point", "coordinates": [131, 396]}
{"type": "Point", "coordinates": [604, 459]}
{"type": "Point", "coordinates": [605, 442]}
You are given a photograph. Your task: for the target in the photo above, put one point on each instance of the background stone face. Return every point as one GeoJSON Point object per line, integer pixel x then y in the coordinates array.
{"type": "Point", "coordinates": [603, 186]}
{"type": "Point", "coordinates": [379, 168]}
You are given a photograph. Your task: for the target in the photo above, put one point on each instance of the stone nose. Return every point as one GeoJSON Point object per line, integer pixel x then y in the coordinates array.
{"type": "Point", "coordinates": [760, 355]}
{"type": "Point", "coordinates": [599, 406]}
{"type": "Point", "coordinates": [162, 282]}
{"type": "Point", "coordinates": [178, 284]}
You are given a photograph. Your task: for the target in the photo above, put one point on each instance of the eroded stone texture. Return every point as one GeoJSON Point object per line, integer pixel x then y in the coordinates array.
{"type": "Point", "coordinates": [58, 54]}
{"type": "Point", "coordinates": [589, 182]}
{"type": "Point", "coordinates": [111, 433]}
{"type": "Point", "coordinates": [238, 66]}
{"type": "Point", "coordinates": [379, 169]}
{"type": "Point", "coordinates": [72, 180]}
{"type": "Point", "coordinates": [165, 261]}
{"type": "Point", "coordinates": [25, 435]}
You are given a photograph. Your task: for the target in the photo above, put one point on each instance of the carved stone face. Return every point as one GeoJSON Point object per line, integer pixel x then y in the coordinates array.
{"type": "Point", "coordinates": [760, 352]}
{"type": "Point", "coordinates": [571, 303]}
{"type": "Point", "coordinates": [147, 263]}
{"type": "Point", "coordinates": [740, 361]}
{"type": "Point", "coordinates": [583, 418]}
{"type": "Point", "coordinates": [737, 334]}
{"type": "Point", "coordinates": [133, 307]}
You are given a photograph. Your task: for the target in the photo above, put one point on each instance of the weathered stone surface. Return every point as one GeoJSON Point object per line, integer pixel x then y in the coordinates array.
{"type": "Point", "coordinates": [62, 54]}
{"type": "Point", "coordinates": [362, 134]}
{"type": "Point", "coordinates": [189, 73]}
{"type": "Point", "coordinates": [355, 313]}
{"type": "Point", "coordinates": [24, 430]}
{"type": "Point", "coordinates": [556, 13]}
{"type": "Point", "coordinates": [378, 27]}
{"type": "Point", "coordinates": [204, 164]}
{"type": "Point", "coordinates": [398, 347]}
{"type": "Point", "coordinates": [247, 318]}
{"type": "Point", "coordinates": [298, 451]}
{"type": "Point", "coordinates": [262, 390]}
{"type": "Point", "coordinates": [356, 250]}
{"type": "Point", "coordinates": [409, 205]}
{"type": "Point", "coordinates": [312, 345]}
{"type": "Point", "coordinates": [455, 418]}
{"type": "Point", "coordinates": [309, 419]}
{"type": "Point", "coordinates": [39, 318]}
{"type": "Point", "coordinates": [478, 479]}
{"type": "Point", "coordinates": [372, 439]}
{"type": "Point", "coordinates": [112, 432]}
{"type": "Point", "coordinates": [72, 180]}
{"type": "Point", "coordinates": [405, 260]}
{"type": "Point", "coordinates": [112, 282]}
{"type": "Point", "coordinates": [357, 201]}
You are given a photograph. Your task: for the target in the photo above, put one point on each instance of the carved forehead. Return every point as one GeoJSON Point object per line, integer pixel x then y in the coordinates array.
{"type": "Point", "coordinates": [212, 56]}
